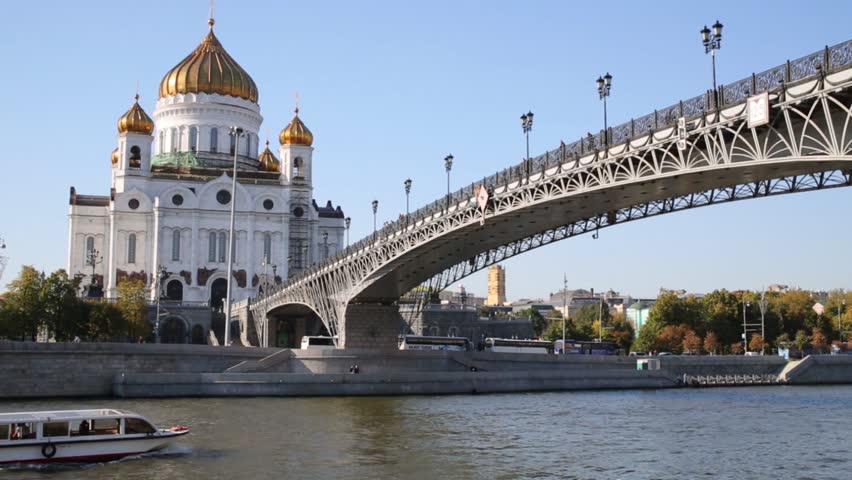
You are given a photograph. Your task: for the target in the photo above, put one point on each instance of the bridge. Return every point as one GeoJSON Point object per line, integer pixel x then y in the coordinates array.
{"type": "Point", "coordinates": [785, 130]}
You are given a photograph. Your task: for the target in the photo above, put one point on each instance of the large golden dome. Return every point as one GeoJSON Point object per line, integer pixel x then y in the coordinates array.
{"type": "Point", "coordinates": [268, 161]}
{"type": "Point", "coordinates": [296, 133]}
{"type": "Point", "coordinates": [209, 69]}
{"type": "Point", "coordinates": [135, 120]}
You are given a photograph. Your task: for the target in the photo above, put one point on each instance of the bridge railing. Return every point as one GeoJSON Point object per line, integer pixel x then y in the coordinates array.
{"type": "Point", "coordinates": [827, 60]}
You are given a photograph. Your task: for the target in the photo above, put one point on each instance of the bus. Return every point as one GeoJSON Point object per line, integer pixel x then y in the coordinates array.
{"type": "Point", "coordinates": [420, 342]}
{"type": "Point", "coordinates": [585, 347]}
{"type": "Point", "coordinates": [513, 345]}
{"type": "Point", "coordinates": [318, 343]}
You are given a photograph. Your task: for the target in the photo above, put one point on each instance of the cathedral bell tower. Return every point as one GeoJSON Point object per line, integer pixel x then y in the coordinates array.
{"type": "Point", "coordinates": [133, 155]}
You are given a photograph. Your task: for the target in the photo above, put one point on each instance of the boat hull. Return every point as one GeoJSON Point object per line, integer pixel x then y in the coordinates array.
{"type": "Point", "coordinates": [88, 450]}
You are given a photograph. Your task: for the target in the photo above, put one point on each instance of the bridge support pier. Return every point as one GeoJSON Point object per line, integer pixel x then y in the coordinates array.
{"type": "Point", "coordinates": [372, 326]}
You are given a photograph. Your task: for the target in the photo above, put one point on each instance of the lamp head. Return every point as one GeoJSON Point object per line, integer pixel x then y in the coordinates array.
{"type": "Point", "coordinates": [348, 221]}
{"type": "Point", "coordinates": [375, 205]}
{"type": "Point", "coordinates": [407, 185]}
{"type": "Point", "coordinates": [608, 80]}
{"type": "Point", "coordinates": [705, 35]}
{"type": "Point", "coordinates": [717, 30]}
{"type": "Point", "coordinates": [448, 162]}
{"type": "Point", "coordinates": [600, 83]}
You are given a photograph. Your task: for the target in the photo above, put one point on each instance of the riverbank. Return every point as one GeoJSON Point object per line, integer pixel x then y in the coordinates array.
{"type": "Point", "coordinates": [32, 370]}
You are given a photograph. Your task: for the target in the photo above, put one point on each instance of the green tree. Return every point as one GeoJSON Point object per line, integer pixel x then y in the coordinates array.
{"type": "Point", "coordinates": [63, 312]}
{"type": "Point", "coordinates": [801, 341]}
{"type": "Point", "coordinates": [105, 323]}
{"type": "Point", "coordinates": [23, 314]}
{"type": "Point", "coordinates": [722, 310]}
{"type": "Point", "coordinates": [554, 330]}
{"type": "Point", "coordinates": [133, 307]}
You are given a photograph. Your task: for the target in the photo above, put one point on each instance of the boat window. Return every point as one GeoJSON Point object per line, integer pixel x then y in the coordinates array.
{"type": "Point", "coordinates": [137, 425]}
{"type": "Point", "coordinates": [81, 429]}
{"type": "Point", "coordinates": [54, 429]}
{"type": "Point", "coordinates": [23, 431]}
{"type": "Point", "coordinates": [105, 426]}
{"type": "Point", "coordinates": [4, 432]}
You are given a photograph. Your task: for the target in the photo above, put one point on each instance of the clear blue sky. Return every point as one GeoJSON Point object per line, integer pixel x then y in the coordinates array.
{"type": "Point", "coordinates": [389, 88]}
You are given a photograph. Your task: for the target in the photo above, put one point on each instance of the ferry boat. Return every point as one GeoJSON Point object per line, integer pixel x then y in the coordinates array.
{"type": "Point", "coordinates": [79, 436]}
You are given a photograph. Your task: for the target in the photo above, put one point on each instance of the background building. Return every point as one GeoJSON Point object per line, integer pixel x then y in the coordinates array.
{"type": "Point", "coordinates": [496, 285]}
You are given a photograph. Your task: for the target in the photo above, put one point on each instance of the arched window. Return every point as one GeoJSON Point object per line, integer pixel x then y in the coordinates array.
{"type": "Point", "coordinates": [193, 139]}
{"type": "Point", "coordinates": [211, 251]}
{"type": "Point", "coordinates": [297, 167]}
{"type": "Point", "coordinates": [247, 148]}
{"type": "Point", "coordinates": [267, 248]}
{"type": "Point", "coordinates": [90, 249]}
{"type": "Point", "coordinates": [223, 245]}
{"type": "Point", "coordinates": [176, 245]}
{"type": "Point", "coordinates": [162, 143]}
{"type": "Point", "coordinates": [131, 248]}
{"type": "Point", "coordinates": [214, 140]}
{"type": "Point", "coordinates": [453, 332]}
{"type": "Point", "coordinates": [174, 140]}
{"type": "Point", "coordinates": [135, 157]}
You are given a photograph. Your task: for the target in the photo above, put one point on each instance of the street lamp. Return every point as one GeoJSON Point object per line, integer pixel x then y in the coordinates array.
{"type": "Point", "coordinates": [526, 124]}
{"type": "Point", "coordinates": [407, 184]}
{"type": "Point", "coordinates": [840, 320]}
{"type": "Point", "coordinates": [348, 222]}
{"type": "Point", "coordinates": [712, 41]}
{"type": "Point", "coordinates": [604, 85]}
{"type": "Point", "coordinates": [745, 329]}
{"type": "Point", "coordinates": [324, 245]}
{"type": "Point", "coordinates": [275, 274]}
{"type": "Point", "coordinates": [237, 132]}
{"type": "Point", "coordinates": [375, 209]}
{"type": "Point", "coordinates": [448, 165]}
{"type": "Point", "coordinates": [162, 274]}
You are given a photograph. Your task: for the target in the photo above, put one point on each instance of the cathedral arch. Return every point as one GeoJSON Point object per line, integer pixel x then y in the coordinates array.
{"type": "Point", "coordinates": [207, 195]}
{"type": "Point", "coordinates": [174, 290]}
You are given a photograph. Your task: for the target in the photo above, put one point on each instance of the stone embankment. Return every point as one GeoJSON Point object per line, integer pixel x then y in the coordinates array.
{"type": "Point", "coordinates": [144, 370]}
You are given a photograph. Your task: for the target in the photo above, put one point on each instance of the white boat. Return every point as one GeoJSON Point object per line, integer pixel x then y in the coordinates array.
{"type": "Point", "coordinates": [78, 436]}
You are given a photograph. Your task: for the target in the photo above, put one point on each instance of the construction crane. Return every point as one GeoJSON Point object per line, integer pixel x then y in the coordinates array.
{"type": "Point", "coordinates": [3, 260]}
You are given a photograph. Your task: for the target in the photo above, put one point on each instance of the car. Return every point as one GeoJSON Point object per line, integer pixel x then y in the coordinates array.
{"type": "Point", "coordinates": [664, 353]}
{"type": "Point", "coordinates": [638, 354]}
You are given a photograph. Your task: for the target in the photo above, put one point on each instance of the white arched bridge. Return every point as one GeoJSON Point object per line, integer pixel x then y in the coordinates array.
{"type": "Point", "coordinates": [785, 130]}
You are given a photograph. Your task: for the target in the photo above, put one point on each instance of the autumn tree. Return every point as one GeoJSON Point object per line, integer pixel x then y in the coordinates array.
{"type": "Point", "coordinates": [818, 340]}
{"type": "Point", "coordinates": [737, 348]}
{"type": "Point", "coordinates": [756, 344]}
{"type": "Point", "coordinates": [671, 338]}
{"type": "Point", "coordinates": [691, 342]}
{"type": "Point", "coordinates": [711, 343]}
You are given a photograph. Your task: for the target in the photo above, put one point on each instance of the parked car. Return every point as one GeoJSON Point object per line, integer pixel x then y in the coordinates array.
{"type": "Point", "coordinates": [638, 354]}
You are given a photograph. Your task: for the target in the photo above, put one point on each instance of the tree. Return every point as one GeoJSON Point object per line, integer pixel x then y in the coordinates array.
{"type": "Point", "coordinates": [818, 340]}
{"type": "Point", "coordinates": [554, 330]}
{"type": "Point", "coordinates": [670, 309]}
{"type": "Point", "coordinates": [801, 341]}
{"type": "Point", "coordinates": [22, 305]}
{"type": "Point", "coordinates": [756, 344]}
{"type": "Point", "coordinates": [691, 342]}
{"type": "Point", "coordinates": [783, 340]}
{"type": "Point", "coordinates": [63, 314]}
{"type": "Point", "coordinates": [671, 338]}
{"type": "Point", "coordinates": [711, 343]}
{"type": "Point", "coordinates": [737, 348]}
{"type": "Point", "coordinates": [133, 307]}
{"type": "Point", "coordinates": [105, 322]}
{"type": "Point", "coordinates": [723, 312]}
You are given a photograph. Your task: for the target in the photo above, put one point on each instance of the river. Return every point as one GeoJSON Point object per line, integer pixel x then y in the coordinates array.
{"type": "Point", "coordinates": [720, 433]}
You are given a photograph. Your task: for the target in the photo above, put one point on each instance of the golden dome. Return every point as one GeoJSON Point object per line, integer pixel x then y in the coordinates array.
{"type": "Point", "coordinates": [268, 162]}
{"type": "Point", "coordinates": [114, 157]}
{"type": "Point", "coordinates": [209, 69]}
{"type": "Point", "coordinates": [135, 120]}
{"type": "Point", "coordinates": [296, 133]}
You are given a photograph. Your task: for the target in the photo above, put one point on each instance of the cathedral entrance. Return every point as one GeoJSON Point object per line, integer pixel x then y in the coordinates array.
{"type": "Point", "coordinates": [173, 330]}
{"type": "Point", "coordinates": [198, 335]}
{"type": "Point", "coordinates": [218, 290]}
{"type": "Point", "coordinates": [288, 324]}
{"type": "Point", "coordinates": [174, 290]}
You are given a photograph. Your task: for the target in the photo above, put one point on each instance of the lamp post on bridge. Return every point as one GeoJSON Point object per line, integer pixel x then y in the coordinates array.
{"type": "Point", "coordinates": [448, 165]}
{"type": "Point", "coordinates": [526, 124]}
{"type": "Point", "coordinates": [237, 132]}
{"type": "Point", "coordinates": [712, 41]}
{"type": "Point", "coordinates": [604, 85]}
{"type": "Point", "coordinates": [407, 184]}
{"type": "Point", "coordinates": [375, 210]}
{"type": "Point", "coordinates": [348, 222]}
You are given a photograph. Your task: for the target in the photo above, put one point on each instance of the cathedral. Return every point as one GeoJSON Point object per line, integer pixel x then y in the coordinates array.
{"type": "Point", "coordinates": [167, 215]}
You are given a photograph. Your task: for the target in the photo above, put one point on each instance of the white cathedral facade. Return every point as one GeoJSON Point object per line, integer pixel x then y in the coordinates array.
{"type": "Point", "coordinates": [168, 210]}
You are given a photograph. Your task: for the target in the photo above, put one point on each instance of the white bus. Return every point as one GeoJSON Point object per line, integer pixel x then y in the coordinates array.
{"type": "Point", "coordinates": [318, 343]}
{"type": "Point", "coordinates": [511, 345]}
{"type": "Point", "coordinates": [418, 342]}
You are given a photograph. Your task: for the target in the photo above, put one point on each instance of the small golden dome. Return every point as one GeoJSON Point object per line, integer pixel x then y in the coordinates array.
{"type": "Point", "coordinates": [209, 69]}
{"type": "Point", "coordinates": [268, 162]}
{"type": "Point", "coordinates": [135, 120]}
{"type": "Point", "coordinates": [296, 133]}
{"type": "Point", "coordinates": [114, 157]}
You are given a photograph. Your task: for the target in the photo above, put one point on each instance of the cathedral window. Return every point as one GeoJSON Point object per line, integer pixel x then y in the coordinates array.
{"type": "Point", "coordinates": [297, 167]}
{"type": "Point", "coordinates": [174, 140]}
{"type": "Point", "coordinates": [90, 248]}
{"type": "Point", "coordinates": [248, 145]}
{"type": "Point", "coordinates": [223, 245]}
{"type": "Point", "coordinates": [176, 245]}
{"type": "Point", "coordinates": [233, 143]}
{"type": "Point", "coordinates": [193, 139]}
{"type": "Point", "coordinates": [214, 140]}
{"type": "Point", "coordinates": [267, 248]}
{"type": "Point", "coordinates": [135, 157]}
{"type": "Point", "coordinates": [131, 248]}
{"type": "Point", "coordinates": [211, 254]}
{"type": "Point", "coordinates": [162, 143]}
